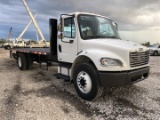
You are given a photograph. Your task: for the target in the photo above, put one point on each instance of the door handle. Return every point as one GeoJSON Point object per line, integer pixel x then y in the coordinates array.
{"type": "Point", "coordinates": [71, 41]}
{"type": "Point", "coordinates": [60, 48]}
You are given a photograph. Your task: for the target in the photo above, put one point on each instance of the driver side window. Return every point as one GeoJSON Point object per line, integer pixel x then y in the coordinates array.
{"type": "Point", "coordinates": [69, 28]}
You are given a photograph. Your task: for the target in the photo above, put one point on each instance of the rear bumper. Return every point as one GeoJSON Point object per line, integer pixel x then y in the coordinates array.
{"type": "Point", "coordinates": [110, 79]}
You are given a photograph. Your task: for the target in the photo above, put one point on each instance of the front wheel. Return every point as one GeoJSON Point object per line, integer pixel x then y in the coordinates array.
{"type": "Point", "coordinates": [86, 82]}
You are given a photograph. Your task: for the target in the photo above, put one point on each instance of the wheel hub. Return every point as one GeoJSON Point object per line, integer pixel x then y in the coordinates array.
{"type": "Point", "coordinates": [84, 82]}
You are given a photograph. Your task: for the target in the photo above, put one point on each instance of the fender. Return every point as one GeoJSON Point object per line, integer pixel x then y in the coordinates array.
{"type": "Point", "coordinates": [96, 54]}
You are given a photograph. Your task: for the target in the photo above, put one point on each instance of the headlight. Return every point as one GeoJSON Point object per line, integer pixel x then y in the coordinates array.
{"type": "Point", "coordinates": [110, 62]}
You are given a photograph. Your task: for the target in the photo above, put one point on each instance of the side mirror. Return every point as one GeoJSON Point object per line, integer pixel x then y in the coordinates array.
{"type": "Point", "coordinates": [115, 25]}
{"type": "Point", "coordinates": [60, 36]}
{"type": "Point", "coordinates": [60, 27]}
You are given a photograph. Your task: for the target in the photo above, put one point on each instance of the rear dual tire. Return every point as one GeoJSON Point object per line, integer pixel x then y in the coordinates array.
{"type": "Point", "coordinates": [24, 61]}
{"type": "Point", "coordinates": [29, 61]}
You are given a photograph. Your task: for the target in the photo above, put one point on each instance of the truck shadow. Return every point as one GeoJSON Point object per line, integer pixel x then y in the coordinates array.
{"type": "Point", "coordinates": [40, 76]}
{"type": "Point", "coordinates": [58, 93]}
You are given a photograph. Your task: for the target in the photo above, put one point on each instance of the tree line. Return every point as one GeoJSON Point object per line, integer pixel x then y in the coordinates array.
{"type": "Point", "coordinates": [148, 44]}
{"type": "Point", "coordinates": [2, 40]}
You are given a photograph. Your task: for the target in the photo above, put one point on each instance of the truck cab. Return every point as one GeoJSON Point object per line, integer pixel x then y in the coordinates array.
{"type": "Point", "coordinates": [97, 56]}
{"type": "Point", "coordinates": [89, 52]}
{"type": "Point", "coordinates": [18, 43]}
{"type": "Point", "coordinates": [7, 45]}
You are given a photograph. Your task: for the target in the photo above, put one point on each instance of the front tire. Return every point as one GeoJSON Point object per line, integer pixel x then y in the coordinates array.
{"type": "Point", "coordinates": [86, 82]}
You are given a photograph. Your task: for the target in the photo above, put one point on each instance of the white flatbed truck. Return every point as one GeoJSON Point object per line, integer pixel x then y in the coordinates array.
{"type": "Point", "coordinates": [90, 53]}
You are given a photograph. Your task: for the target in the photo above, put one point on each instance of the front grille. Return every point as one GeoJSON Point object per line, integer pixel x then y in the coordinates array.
{"type": "Point", "coordinates": [139, 58]}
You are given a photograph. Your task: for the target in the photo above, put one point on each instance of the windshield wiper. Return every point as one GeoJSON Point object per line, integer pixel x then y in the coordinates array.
{"type": "Point", "coordinates": [92, 37]}
{"type": "Point", "coordinates": [111, 36]}
{"type": "Point", "coordinates": [107, 37]}
{"type": "Point", "coordinates": [96, 37]}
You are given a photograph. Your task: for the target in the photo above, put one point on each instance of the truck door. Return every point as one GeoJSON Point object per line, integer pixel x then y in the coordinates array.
{"type": "Point", "coordinates": [67, 45]}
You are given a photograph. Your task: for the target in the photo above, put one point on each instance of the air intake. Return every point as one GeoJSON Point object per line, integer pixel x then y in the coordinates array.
{"type": "Point", "coordinates": [139, 58]}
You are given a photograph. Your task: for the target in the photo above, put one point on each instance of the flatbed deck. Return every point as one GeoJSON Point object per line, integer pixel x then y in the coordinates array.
{"type": "Point", "coordinates": [42, 51]}
{"type": "Point", "coordinates": [37, 51]}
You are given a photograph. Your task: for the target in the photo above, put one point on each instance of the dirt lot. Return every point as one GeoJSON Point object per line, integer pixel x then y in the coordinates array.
{"type": "Point", "coordinates": [38, 95]}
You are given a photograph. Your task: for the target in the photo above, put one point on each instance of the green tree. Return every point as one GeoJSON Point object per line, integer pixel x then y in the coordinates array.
{"type": "Point", "coordinates": [2, 40]}
{"type": "Point", "coordinates": [147, 44]}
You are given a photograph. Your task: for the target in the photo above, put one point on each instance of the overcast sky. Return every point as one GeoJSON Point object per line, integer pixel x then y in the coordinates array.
{"type": "Point", "coordinates": [139, 20]}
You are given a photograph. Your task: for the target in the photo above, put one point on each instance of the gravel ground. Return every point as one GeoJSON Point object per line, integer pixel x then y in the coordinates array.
{"type": "Point", "coordinates": [38, 95]}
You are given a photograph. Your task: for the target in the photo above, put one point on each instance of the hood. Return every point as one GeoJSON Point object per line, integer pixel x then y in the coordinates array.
{"type": "Point", "coordinates": [6, 44]}
{"type": "Point", "coordinates": [152, 48]}
{"type": "Point", "coordinates": [114, 44]}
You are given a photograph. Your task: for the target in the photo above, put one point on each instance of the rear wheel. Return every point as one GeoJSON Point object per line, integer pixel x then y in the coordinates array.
{"type": "Point", "coordinates": [155, 53]}
{"type": "Point", "coordinates": [22, 61]}
{"type": "Point", "coordinates": [14, 56]}
{"type": "Point", "coordinates": [29, 61]}
{"type": "Point", "coordinates": [86, 82]}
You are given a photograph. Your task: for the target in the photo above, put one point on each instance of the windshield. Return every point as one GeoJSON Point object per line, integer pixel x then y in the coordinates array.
{"type": "Point", "coordinates": [96, 27]}
{"type": "Point", "coordinates": [154, 46]}
{"type": "Point", "coordinates": [19, 42]}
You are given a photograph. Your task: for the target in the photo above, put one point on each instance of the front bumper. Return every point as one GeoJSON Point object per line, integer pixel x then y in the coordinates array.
{"type": "Point", "coordinates": [110, 79]}
{"type": "Point", "coordinates": [151, 52]}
